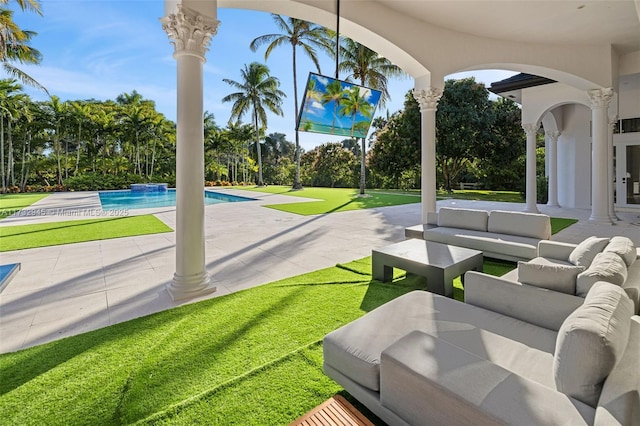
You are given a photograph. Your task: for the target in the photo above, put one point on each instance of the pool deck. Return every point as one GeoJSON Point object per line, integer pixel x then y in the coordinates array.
{"type": "Point", "coordinates": [70, 289]}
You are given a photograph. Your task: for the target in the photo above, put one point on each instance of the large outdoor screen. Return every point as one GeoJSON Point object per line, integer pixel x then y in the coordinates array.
{"type": "Point", "coordinates": [336, 107]}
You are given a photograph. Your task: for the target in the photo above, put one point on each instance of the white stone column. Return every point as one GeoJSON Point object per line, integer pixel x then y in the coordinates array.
{"type": "Point", "coordinates": [428, 101]}
{"type": "Point", "coordinates": [190, 33]}
{"type": "Point", "coordinates": [552, 156]}
{"type": "Point", "coordinates": [531, 129]}
{"type": "Point", "coordinates": [611, 170]}
{"type": "Point", "coordinates": [600, 100]}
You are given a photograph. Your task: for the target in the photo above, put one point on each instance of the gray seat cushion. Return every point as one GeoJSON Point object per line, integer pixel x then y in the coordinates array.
{"type": "Point", "coordinates": [463, 218]}
{"type": "Point", "coordinates": [513, 245]}
{"type": "Point", "coordinates": [552, 276]}
{"type": "Point", "coordinates": [531, 225]}
{"type": "Point", "coordinates": [591, 341]}
{"type": "Point", "coordinates": [355, 349]}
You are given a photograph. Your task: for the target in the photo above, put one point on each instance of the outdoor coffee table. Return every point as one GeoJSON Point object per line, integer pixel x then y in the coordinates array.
{"type": "Point", "coordinates": [439, 263]}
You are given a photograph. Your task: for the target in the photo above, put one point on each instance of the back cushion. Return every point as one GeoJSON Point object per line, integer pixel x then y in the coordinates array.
{"type": "Point", "coordinates": [518, 223]}
{"type": "Point", "coordinates": [587, 250]}
{"type": "Point", "coordinates": [607, 267]}
{"type": "Point", "coordinates": [590, 342]}
{"type": "Point", "coordinates": [554, 277]}
{"type": "Point", "coordinates": [463, 218]}
{"type": "Point", "coordinates": [624, 248]}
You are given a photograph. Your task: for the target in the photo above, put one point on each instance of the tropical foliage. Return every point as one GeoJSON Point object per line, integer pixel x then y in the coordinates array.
{"type": "Point", "coordinates": [257, 90]}
{"type": "Point", "coordinates": [477, 140]}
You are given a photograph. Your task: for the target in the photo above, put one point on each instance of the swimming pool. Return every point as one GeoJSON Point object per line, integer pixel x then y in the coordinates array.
{"type": "Point", "coordinates": [117, 200]}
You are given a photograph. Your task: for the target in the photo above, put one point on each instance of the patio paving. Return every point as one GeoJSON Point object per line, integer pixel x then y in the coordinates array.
{"type": "Point", "coordinates": [69, 289]}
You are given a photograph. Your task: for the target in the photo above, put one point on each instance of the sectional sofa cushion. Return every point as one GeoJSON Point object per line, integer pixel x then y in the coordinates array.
{"type": "Point", "coordinates": [623, 247]}
{"type": "Point", "coordinates": [590, 342]}
{"type": "Point", "coordinates": [518, 223]}
{"type": "Point", "coordinates": [491, 244]}
{"type": "Point", "coordinates": [587, 250]}
{"type": "Point", "coordinates": [555, 277]}
{"type": "Point", "coordinates": [355, 349]}
{"type": "Point", "coordinates": [607, 267]}
{"type": "Point", "coordinates": [463, 218]}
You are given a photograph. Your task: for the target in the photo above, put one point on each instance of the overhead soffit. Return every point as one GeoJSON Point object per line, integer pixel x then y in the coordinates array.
{"type": "Point", "coordinates": [601, 22]}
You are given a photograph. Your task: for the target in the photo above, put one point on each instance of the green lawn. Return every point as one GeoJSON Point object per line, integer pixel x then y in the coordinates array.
{"type": "Point", "coordinates": [483, 195]}
{"type": "Point", "coordinates": [559, 223]}
{"type": "Point", "coordinates": [12, 203]}
{"type": "Point", "coordinates": [333, 199]}
{"type": "Point", "coordinates": [248, 358]}
{"type": "Point", "coordinates": [75, 231]}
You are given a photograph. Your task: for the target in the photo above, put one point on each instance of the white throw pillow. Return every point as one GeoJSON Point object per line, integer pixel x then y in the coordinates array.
{"type": "Point", "coordinates": [590, 342]}
{"type": "Point", "coordinates": [560, 278]}
{"type": "Point", "coordinates": [587, 250]}
{"type": "Point", "coordinates": [624, 248]}
{"type": "Point", "coordinates": [607, 267]}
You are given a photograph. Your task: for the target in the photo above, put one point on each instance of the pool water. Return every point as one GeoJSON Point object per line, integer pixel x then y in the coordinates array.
{"type": "Point", "coordinates": [117, 200]}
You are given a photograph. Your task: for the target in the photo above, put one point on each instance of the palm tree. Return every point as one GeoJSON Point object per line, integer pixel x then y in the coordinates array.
{"type": "Point", "coordinates": [369, 69]}
{"type": "Point", "coordinates": [12, 107]}
{"type": "Point", "coordinates": [308, 36]}
{"type": "Point", "coordinates": [334, 93]}
{"type": "Point", "coordinates": [14, 43]}
{"type": "Point", "coordinates": [257, 90]}
{"type": "Point", "coordinates": [311, 94]}
{"type": "Point", "coordinates": [354, 103]}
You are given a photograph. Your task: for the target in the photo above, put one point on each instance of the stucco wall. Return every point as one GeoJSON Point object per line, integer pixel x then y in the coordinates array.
{"type": "Point", "coordinates": [629, 106]}
{"type": "Point", "coordinates": [574, 158]}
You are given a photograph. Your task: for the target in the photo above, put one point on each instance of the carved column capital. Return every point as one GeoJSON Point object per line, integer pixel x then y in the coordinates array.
{"type": "Point", "coordinates": [552, 135]}
{"type": "Point", "coordinates": [427, 99]}
{"type": "Point", "coordinates": [531, 128]}
{"type": "Point", "coordinates": [189, 31]}
{"type": "Point", "coordinates": [612, 122]}
{"type": "Point", "coordinates": [600, 98]}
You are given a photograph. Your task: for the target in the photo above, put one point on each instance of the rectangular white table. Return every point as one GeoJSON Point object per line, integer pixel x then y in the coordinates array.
{"type": "Point", "coordinates": [439, 263]}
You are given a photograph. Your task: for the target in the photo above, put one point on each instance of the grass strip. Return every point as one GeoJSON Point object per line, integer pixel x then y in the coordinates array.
{"type": "Point", "coordinates": [560, 223]}
{"type": "Point", "coordinates": [235, 359]}
{"type": "Point", "coordinates": [21, 237]}
{"type": "Point", "coordinates": [13, 203]}
{"type": "Point", "coordinates": [333, 199]}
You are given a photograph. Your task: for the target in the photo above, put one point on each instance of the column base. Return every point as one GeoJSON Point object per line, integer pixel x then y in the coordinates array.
{"type": "Point", "coordinates": [531, 210]}
{"type": "Point", "coordinates": [604, 220]}
{"type": "Point", "coordinates": [553, 205]}
{"type": "Point", "coordinates": [188, 287]}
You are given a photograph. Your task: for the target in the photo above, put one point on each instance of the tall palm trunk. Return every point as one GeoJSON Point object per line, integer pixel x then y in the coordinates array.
{"type": "Point", "coordinates": [4, 179]}
{"type": "Point", "coordinates": [259, 151]}
{"type": "Point", "coordinates": [363, 168]}
{"type": "Point", "coordinates": [78, 147]}
{"type": "Point", "coordinates": [56, 144]}
{"type": "Point", "coordinates": [296, 182]}
{"type": "Point", "coordinates": [66, 158]}
{"type": "Point", "coordinates": [10, 171]}
{"type": "Point", "coordinates": [26, 148]}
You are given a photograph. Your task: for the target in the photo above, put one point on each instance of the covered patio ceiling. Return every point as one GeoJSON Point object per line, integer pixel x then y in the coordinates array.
{"type": "Point", "coordinates": [601, 22]}
{"type": "Point", "coordinates": [570, 41]}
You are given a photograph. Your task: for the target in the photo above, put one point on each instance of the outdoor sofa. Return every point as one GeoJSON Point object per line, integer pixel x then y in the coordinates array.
{"type": "Point", "coordinates": [498, 234]}
{"type": "Point", "coordinates": [513, 353]}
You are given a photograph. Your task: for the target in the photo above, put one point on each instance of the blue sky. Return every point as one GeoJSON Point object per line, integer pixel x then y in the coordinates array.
{"type": "Point", "coordinates": [99, 49]}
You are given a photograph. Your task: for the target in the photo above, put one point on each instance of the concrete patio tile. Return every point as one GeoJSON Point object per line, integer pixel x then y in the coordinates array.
{"type": "Point", "coordinates": [140, 307]}
{"type": "Point", "coordinates": [143, 278]}
{"type": "Point", "coordinates": [71, 310]}
{"type": "Point", "coordinates": [65, 327]}
{"type": "Point", "coordinates": [111, 267]}
{"type": "Point", "coordinates": [70, 284]}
